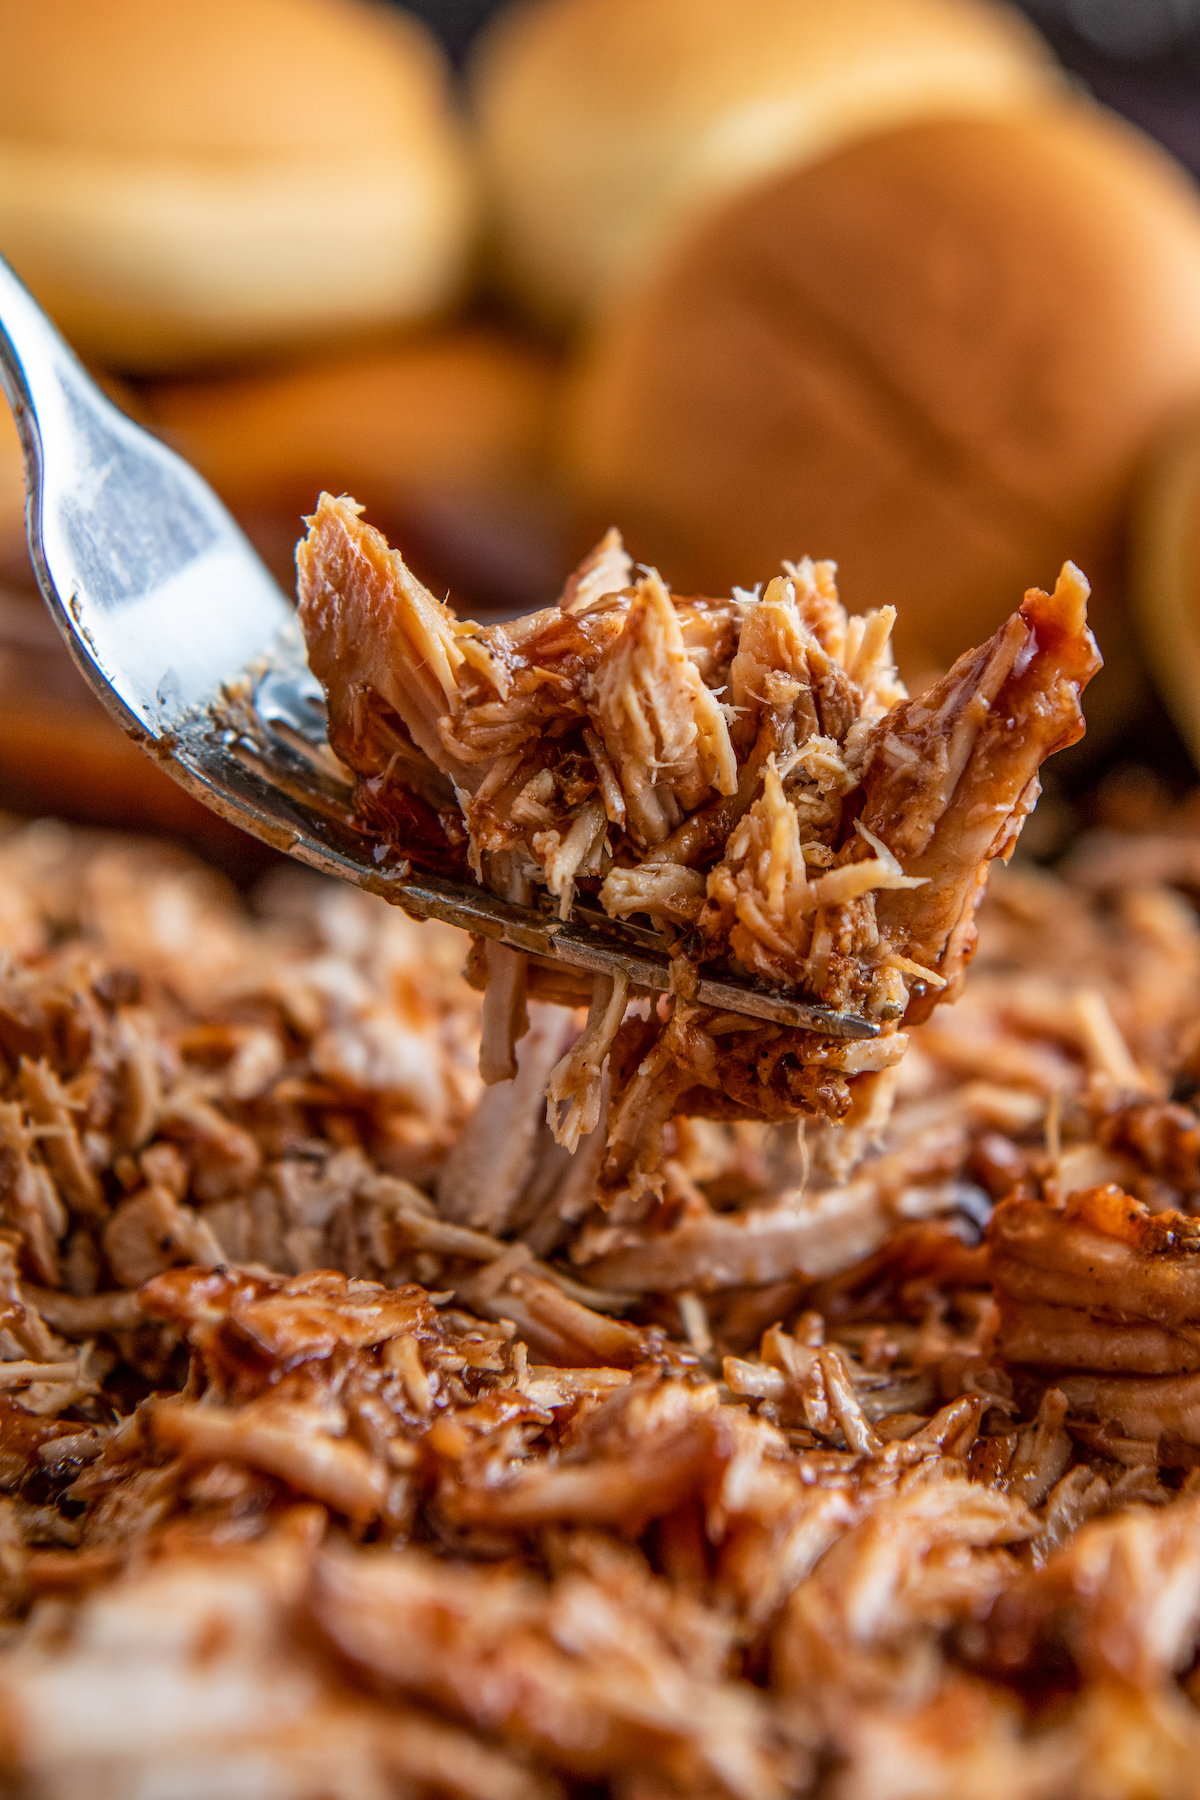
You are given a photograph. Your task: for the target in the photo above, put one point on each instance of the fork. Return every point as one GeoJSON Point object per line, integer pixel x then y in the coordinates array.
{"type": "Point", "coordinates": [181, 631]}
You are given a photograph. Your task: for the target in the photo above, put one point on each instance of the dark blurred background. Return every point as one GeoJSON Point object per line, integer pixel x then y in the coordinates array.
{"type": "Point", "coordinates": [1140, 56]}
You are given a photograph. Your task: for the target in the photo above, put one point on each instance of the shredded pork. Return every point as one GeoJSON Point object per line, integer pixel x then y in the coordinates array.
{"type": "Point", "coordinates": [746, 776]}
{"type": "Point", "coordinates": [350, 1446]}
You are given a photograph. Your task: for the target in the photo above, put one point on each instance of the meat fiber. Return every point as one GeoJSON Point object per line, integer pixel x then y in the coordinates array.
{"type": "Point", "coordinates": [427, 1476]}
{"type": "Point", "coordinates": [746, 775]}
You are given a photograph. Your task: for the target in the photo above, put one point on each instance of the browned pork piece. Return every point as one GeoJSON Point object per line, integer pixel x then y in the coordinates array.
{"type": "Point", "coordinates": [747, 775]}
{"type": "Point", "coordinates": [1102, 1296]}
{"type": "Point", "coordinates": [428, 1480]}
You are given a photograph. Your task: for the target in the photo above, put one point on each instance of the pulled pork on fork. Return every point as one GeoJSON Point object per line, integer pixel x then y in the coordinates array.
{"type": "Point", "coordinates": [745, 776]}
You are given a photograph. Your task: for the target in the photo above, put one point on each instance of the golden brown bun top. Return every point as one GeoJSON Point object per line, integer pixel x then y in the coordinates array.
{"type": "Point", "coordinates": [935, 357]}
{"type": "Point", "coordinates": [444, 435]}
{"type": "Point", "coordinates": [454, 409]}
{"type": "Point", "coordinates": [670, 62]}
{"type": "Point", "coordinates": [1165, 574]}
{"type": "Point", "coordinates": [215, 78]}
{"type": "Point", "coordinates": [603, 121]}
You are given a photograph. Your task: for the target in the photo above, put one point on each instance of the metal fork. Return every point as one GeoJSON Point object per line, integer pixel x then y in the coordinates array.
{"type": "Point", "coordinates": [180, 630]}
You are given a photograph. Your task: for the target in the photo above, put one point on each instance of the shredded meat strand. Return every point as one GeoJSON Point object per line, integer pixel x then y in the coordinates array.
{"type": "Point", "coordinates": [746, 775]}
{"type": "Point", "coordinates": [350, 1446]}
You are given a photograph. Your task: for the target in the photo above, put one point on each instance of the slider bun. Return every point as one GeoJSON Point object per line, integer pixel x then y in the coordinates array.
{"type": "Point", "coordinates": [1165, 575]}
{"type": "Point", "coordinates": [444, 436]}
{"type": "Point", "coordinates": [605, 124]}
{"type": "Point", "coordinates": [178, 181]}
{"type": "Point", "coordinates": [457, 408]}
{"type": "Point", "coordinates": [936, 357]}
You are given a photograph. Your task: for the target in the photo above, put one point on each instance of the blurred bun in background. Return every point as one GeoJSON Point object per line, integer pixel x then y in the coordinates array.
{"type": "Point", "coordinates": [863, 279]}
{"type": "Point", "coordinates": [444, 436]}
{"type": "Point", "coordinates": [180, 182]}
{"type": "Point", "coordinates": [1165, 575]}
{"type": "Point", "coordinates": [606, 125]}
{"type": "Point", "coordinates": [935, 356]}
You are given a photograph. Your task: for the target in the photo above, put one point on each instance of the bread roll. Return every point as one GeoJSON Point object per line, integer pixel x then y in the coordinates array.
{"type": "Point", "coordinates": [445, 435]}
{"type": "Point", "coordinates": [1165, 575]}
{"type": "Point", "coordinates": [935, 357]}
{"type": "Point", "coordinates": [182, 181]}
{"type": "Point", "coordinates": [607, 123]}
{"type": "Point", "coordinates": [462, 407]}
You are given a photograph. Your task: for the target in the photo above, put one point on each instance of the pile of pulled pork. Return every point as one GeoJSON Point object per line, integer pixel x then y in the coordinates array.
{"type": "Point", "coordinates": [350, 1449]}
{"type": "Point", "coordinates": [746, 777]}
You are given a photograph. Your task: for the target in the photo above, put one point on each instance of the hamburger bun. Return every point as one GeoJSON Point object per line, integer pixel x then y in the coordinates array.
{"type": "Point", "coordinates": [606, 124]}
{"type": "Point", "coordinates": [935, 357]}
{"type": "Point", "coordinates": [1165, 575]}
{"type": "Point", "coordinates": [444, 436]}
{"type": "Point", "coordinates": [181, 182]}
